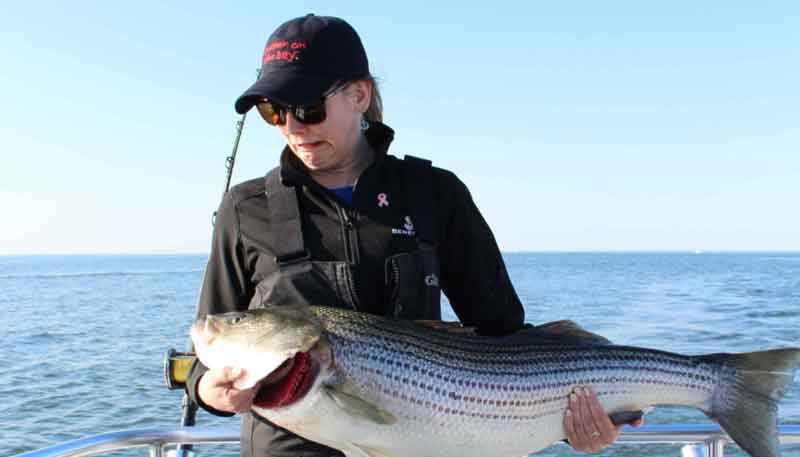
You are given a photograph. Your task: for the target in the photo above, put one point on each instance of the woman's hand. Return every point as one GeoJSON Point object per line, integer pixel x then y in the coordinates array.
{"type": "Point", "coordinates": [216, 390]}
{"type": "Point", "coordinates": [587, 425]}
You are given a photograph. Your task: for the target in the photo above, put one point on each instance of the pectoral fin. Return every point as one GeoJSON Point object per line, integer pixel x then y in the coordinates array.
{"type": "Point", "coordinates": [357, 407]}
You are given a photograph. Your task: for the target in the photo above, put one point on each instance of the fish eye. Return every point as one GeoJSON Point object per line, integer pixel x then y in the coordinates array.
{"type": "Point", "coordinates": [235, 320]}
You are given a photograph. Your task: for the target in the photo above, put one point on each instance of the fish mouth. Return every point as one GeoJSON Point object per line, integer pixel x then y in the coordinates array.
{"type": "Point", "coordinates": [292, 387]}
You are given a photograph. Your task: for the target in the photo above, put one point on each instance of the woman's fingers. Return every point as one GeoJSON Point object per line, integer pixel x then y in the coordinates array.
{"type": "Point", "coordinates": [574, 425]}
{"type": "Point", "coordinates": [228, 375]}
{"type": "Point", "coordinates": [603, 431]}
{"type": "Point", "coordinates": [573, 437]}
{"type": "Point", "coordinates": [586, 423]}
{"type": "Point", "coordinates": [216, 389]}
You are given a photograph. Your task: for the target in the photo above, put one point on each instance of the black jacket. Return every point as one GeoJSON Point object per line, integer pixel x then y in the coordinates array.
{"type": "Point", "coordinates": [364, 253]}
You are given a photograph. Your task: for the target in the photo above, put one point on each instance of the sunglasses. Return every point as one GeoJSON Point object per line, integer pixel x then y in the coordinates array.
{"type": "Point", "coordinates": [275, 113]}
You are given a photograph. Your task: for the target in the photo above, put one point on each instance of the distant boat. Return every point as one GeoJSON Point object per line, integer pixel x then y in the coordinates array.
{"type": "Point", "coordinates": [697, 251]}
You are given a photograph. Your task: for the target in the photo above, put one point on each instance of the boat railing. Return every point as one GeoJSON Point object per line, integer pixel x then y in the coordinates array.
{"type": "Point", "coordinates": [698, 440]}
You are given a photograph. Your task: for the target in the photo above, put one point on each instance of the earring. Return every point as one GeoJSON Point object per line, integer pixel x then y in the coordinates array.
{"type": "Point", "coordinates": [364, 124]}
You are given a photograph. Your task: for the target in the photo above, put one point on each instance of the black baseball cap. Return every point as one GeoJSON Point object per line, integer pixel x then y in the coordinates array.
{"type": "Point", "coordinates": [304, 58]}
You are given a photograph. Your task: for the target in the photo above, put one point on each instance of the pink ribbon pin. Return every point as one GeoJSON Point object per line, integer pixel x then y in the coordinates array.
{"type": "Point", "coordinates": [383, 200]}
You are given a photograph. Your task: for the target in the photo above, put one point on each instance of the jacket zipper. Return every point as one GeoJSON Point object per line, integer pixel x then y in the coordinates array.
{"type": "Point", "coordinates": [351, 254]}
{"type": "Point", "coordinates": [350, 233]}
{"type": "Point", "coordinates": [394, 282]}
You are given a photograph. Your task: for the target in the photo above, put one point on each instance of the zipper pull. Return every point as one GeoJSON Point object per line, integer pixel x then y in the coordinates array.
{"type": "Point", "coordinates": [349, 220]}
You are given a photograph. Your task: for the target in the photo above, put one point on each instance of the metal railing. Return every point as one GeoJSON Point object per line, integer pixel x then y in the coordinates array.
{"type": "Point", "coordinates": [706, 440]}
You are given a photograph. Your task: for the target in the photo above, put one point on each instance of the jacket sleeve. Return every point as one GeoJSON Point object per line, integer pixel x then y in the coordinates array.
{"type": "Point", "coordinates": [226, 284]}
{"type": "Point", "coordinates": [474, 276]}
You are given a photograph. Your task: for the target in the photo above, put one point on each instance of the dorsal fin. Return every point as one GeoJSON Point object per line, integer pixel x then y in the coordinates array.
{"type": "Point", "coordinates": [569, 330]}
{"type": "Point", "coordinates": [557, 333]}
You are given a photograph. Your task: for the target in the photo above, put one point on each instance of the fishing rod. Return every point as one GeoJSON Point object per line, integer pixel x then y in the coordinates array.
{"type": "Point", "coordinates": [230, 161]}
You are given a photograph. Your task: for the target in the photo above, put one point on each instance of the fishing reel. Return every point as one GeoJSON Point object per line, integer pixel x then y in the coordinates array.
{"type": "Point", "coordinates": [176, 368]}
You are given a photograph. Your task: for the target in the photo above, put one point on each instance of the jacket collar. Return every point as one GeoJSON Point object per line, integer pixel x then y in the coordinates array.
{"type": "Point", "coordinates": [294, 172]}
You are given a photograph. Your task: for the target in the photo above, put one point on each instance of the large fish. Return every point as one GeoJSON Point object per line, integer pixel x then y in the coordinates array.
{"type": "Point", "coordinates": [376, 387]}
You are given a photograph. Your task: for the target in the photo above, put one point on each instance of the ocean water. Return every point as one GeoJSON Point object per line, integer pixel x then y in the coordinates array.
{"type": "Point", "coordinates": [84, 336]}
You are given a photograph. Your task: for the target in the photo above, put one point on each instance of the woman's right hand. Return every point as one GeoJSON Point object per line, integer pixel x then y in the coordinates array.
{"type": "Point", "coordinates": [216, 390]}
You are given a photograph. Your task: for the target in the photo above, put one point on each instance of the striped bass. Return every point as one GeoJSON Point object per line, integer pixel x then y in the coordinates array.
{"type": "Point", "coordinates": [377, 387]}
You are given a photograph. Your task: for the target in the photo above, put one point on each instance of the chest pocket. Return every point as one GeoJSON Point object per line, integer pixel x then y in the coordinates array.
{"type": "Point", "coordinates": [412, 279]}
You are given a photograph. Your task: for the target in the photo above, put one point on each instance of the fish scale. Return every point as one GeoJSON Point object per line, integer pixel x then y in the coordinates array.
{"type": "Point", "coordinates": [391, 388]}
{"type": "Point", "coordinates": [459, 386]}
{"type": "Point", "coordinates": [412, 371]}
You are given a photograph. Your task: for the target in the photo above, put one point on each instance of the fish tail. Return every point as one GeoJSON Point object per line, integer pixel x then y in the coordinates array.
{"type": "Point", "coordinates": [746, 402]}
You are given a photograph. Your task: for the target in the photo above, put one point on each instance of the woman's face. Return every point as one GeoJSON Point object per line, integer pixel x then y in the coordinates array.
{"type": "Point", "coordinates": [333, 142]}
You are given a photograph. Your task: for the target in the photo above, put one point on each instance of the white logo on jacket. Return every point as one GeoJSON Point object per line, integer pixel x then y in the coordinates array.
{"type": "Point", "coordinates": [407, 230]}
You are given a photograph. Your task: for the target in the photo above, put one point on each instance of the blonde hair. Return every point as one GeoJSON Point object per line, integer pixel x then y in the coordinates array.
{"type": "Point", "coordinates": [374, 111]}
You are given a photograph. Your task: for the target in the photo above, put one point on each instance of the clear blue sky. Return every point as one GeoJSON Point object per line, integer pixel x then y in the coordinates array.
{"type": "Point", "coordinates": [576, 125]}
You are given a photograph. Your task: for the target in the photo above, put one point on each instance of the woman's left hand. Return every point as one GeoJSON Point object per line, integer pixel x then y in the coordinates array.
{"type": "Point", "coordinates": [587, 425]}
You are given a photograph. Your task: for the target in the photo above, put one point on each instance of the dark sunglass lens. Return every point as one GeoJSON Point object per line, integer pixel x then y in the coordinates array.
{"type": "Point", "coordinates": [279, 117]}
{"type": "Point", "coordinates": [273, 113]}
{"type": "Point", "coordinates": [310, 114]}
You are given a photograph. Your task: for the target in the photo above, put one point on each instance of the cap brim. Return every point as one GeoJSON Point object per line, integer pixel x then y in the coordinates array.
{"type": "Point", "coordinates": [286, 88]}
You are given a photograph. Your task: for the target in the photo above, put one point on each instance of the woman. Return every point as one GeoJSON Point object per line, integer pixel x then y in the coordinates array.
{"type": "Point", "coordinates": [342, 223]}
